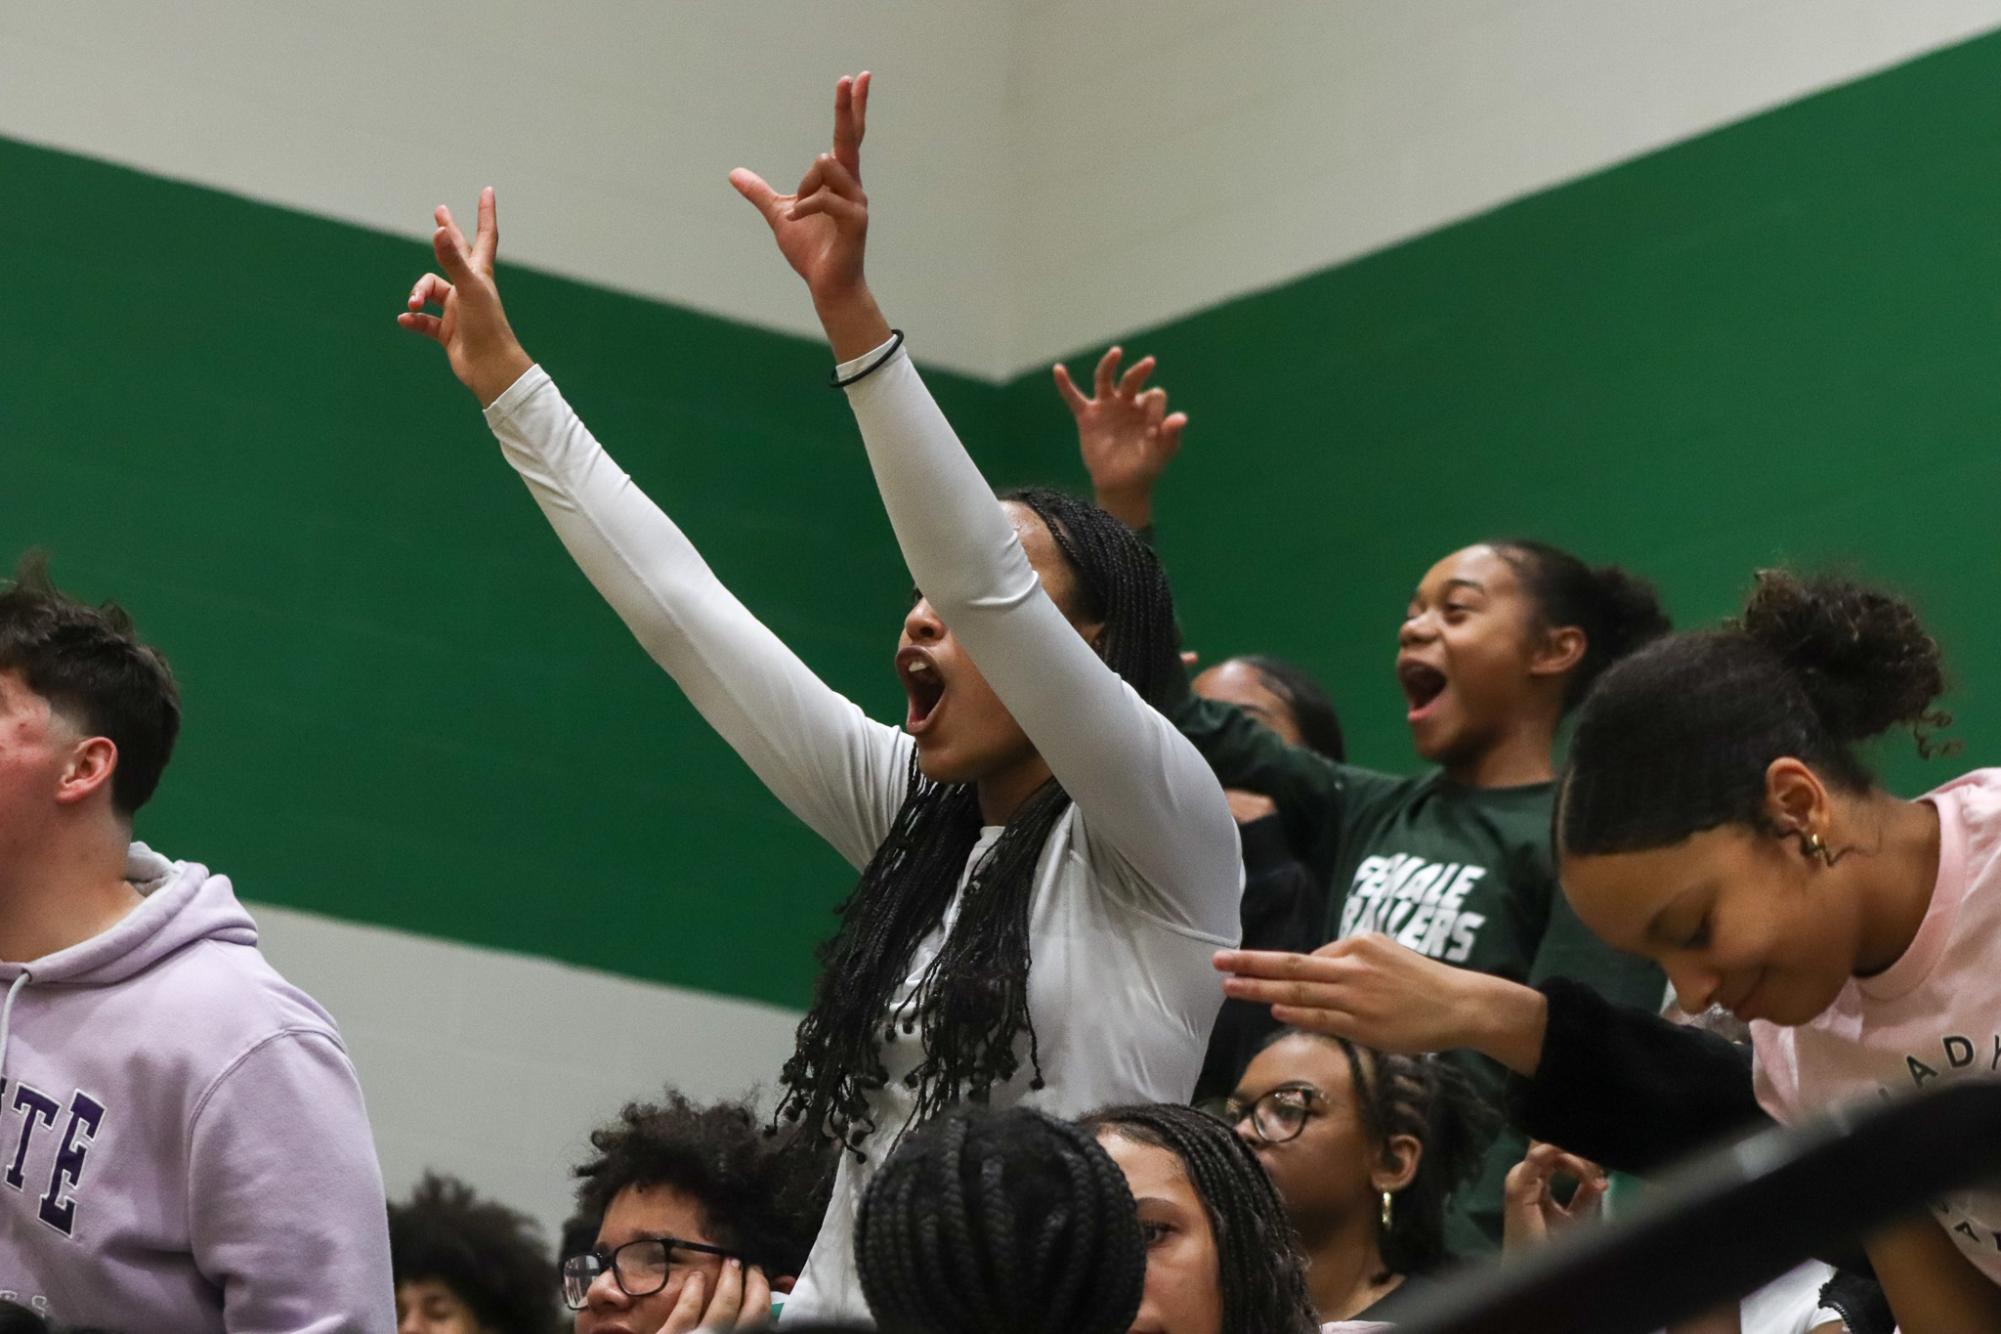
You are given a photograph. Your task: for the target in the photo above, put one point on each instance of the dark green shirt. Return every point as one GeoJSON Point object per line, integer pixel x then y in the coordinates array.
{"type": "Point", "coordinates": [1457, 873]}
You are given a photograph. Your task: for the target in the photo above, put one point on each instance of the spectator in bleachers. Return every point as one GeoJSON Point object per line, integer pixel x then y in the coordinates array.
{"type": "Point", "coordinates": [1365, 1148]}
{"type": "Point", "coordinates": [1716, 815]}
{"type": "Point", "coordinates": [465, 1265]}
{"type": "Point", "coordinates": [1034, 806]}
{"type": "Point", "coordinates": [1499, 642]}
{"type": "Point", "coordinates": [1221, 1256]}
{"type": "Point", "coordinates": [1285, 903]}
{"type": "Point", "coordinates": [704, 1215]}
{"type": "Point", "coordinates": [1005, 1222]}
{"type": "Point", "coordinates": [193, 1153]}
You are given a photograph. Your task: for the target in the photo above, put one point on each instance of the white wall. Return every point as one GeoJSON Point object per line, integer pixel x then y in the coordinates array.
{"type": "Point", "coordinates": [607, 129]}
{"type": "Point", "coordinates": [1184, 153]}
{"type": "Point", "coordinates": [1048, 175]}
{"type": "Point", "coordinates": [496, 1066]}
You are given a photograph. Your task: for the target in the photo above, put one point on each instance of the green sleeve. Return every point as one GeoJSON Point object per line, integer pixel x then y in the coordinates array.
{"type": "Point", "coordinates": [1307, 787]}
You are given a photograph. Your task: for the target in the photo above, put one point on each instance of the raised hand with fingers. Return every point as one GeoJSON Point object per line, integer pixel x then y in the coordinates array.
{"type": "Point", "coordinates": [822, 226]}
{"type": "Point", "coordinates": [1532, 1212]}
{"type": "Point", "coordinates": [1125, 434]}
{"type": "Point", "coordinates": [470, 324]}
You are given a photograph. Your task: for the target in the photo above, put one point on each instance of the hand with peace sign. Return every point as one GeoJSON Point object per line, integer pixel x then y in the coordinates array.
{"type": "Point", "coordinates": [470, 325]}
{"type": "Point", "coordinates": [822, 227]}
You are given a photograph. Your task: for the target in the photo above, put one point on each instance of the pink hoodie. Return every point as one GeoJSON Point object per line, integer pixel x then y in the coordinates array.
{"type": "Point", "coordinates": [183, 1145]}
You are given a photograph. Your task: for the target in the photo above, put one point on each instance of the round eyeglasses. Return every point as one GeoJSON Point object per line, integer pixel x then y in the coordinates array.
{"type": "Point", "coordinates": [1277, 1116]}
{"type": "Point", "coordinates": [640, 1268]}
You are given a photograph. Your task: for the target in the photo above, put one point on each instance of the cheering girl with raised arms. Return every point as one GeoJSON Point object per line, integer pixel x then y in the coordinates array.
{"type": "Point", "coordinates": [1033, 806]}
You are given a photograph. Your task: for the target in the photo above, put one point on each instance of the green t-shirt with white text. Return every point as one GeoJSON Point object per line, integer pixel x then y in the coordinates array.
{"type": "Point", "coordinates": [1456, 873]}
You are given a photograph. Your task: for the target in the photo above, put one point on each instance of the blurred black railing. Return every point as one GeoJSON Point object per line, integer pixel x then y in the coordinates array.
{"type": "Point", "coordinates": [1735, 1219]}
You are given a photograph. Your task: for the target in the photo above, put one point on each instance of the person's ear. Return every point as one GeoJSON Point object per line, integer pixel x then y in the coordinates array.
{"type": "Point", "coordinates": [1558, 651]}
{"type": "Point", "coordinates": [1396, 1166]}
{"type": "Point", "coordinates": [92, 762]}
{"type": "Point", "coordinates": [1797, 802]}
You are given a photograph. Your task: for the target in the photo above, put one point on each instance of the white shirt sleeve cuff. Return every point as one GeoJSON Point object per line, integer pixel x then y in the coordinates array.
{"type": "Point", "coordinates": [865, 360]}
{"type": "Point", "coordinates": [501, 408]}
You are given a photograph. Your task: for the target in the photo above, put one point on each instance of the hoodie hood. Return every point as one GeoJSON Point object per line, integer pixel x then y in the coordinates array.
{"type": "Point", "coordinates": [183, 904]}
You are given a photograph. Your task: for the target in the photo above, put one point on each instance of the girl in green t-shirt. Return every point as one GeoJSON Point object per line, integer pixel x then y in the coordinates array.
{"type": "Point", "coordinates": [1499, 642]}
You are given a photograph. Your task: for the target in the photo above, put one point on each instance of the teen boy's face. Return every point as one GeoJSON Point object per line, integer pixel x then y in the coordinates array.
{"type": "Point", "coordinates": [640, 1212]}
{"type": "Point", "coordinates": [35, 744]}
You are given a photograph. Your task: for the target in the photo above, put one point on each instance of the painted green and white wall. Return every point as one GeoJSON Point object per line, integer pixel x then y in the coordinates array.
{"type": "Point", "coordinates": [1691, 286]}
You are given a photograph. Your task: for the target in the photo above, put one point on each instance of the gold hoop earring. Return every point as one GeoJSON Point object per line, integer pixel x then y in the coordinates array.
{"type": "Point", "coordinates": [1387, 1213]}
{"type": "Point", "coordinates": [1815, 846]}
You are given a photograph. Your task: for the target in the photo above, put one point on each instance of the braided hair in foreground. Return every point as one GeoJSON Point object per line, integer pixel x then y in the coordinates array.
{"type": "Point", "coordinates": [1260, 1269]}
{"type": "Point", "coordinates": [1007, 1222]}
{"type": "Point", "coordinates": [970, 1010]}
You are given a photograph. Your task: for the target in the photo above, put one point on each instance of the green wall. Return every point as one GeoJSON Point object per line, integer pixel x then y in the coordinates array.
{"type": "Point", "coordinates": [1774, 343]}
{"type": "Point", "coordinates": [405, 705]}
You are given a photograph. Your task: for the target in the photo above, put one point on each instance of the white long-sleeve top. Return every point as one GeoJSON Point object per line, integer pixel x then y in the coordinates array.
{"type": "Point", "coordinates": [1138, 882]}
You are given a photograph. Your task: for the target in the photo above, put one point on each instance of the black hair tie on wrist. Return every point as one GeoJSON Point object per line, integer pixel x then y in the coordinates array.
{"type": "Point", "coordinates": [834, 375]}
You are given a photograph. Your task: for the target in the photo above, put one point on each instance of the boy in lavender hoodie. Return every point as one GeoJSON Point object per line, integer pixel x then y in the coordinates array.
{"type": "Point", "coordinates": [182, 1140]}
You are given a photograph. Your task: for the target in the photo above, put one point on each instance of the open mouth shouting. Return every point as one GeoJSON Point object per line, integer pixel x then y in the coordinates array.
{"type": "Point", "coordinates": [924, 685]}
{"type": "Point", "coordinates": [1423, 686]}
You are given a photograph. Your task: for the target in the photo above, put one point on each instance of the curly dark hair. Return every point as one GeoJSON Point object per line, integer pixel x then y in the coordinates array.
{"type": "Point", "coordinates": [972, 1003]}
{"type": "Point", "coordinates": [759, 1194]}
{"type": "Point", "coordinates": [490, 1256]}
{"type": "Point", "coordinates": [1677, 738]}
{"type": "Point", "coordinates": [1007, 1222]}
{"type": "Point", "coordinates": [1262, 1272]}
{"type": "Point", "coordinates": [88, 663]}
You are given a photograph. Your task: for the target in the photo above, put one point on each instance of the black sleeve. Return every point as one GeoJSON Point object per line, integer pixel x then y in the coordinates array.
{"type": "Point", "coordinates": [1629, 1089]}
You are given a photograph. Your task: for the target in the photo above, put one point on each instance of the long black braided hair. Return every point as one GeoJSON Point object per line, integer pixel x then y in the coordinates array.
{"type": "Point", "coordinates": [970, 1009]}
{"type": "Point", "coordinates": [1008, 1222]}
{"type": "Point", "coordinates": [1437, 1103]}
{"type": "Point", "coordinates": [1260, 1268]}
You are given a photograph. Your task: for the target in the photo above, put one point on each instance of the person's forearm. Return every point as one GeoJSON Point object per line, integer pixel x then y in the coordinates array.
{"type": "Point", "coordinates": [853, 321]}
{"type": "Point", "coordinates": [1505, 1021]}
{"type": "Point", "coordinates": [492, 375]}
{"type": "Point", "coordinates": [1132, 508]}
{"type": "Point", "coordinates": [1933, 1288]}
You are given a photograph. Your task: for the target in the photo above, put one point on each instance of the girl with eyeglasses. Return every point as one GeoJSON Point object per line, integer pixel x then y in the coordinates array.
{"type": "Point", "coordinates": [1034, 803]}
{"type": "Point", "coordinates": [1365, 1148]}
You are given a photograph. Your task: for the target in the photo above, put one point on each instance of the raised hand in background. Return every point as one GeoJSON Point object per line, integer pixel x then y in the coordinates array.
{"type": "Point", "coordinates": [1124, 433]}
